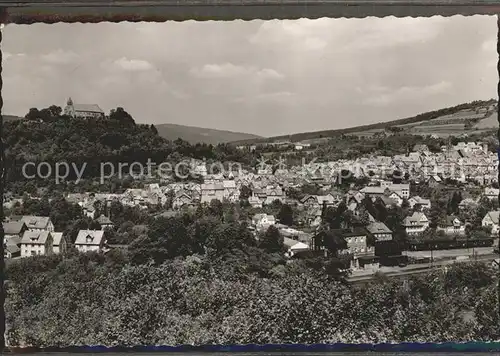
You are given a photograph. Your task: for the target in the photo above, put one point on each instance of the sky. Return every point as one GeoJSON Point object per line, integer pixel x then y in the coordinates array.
{"type": "Point", "coordinates": [262, 77]}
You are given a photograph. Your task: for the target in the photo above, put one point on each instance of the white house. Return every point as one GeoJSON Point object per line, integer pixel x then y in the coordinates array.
{"type": "Point", "coordinates": [212, 191]}
{"type": "Point", "coordinates": [181, 199]}
{"type": "Point", "coordinates": [255, 201]}
{"type": "Point", "coordinates": [231, 192]}
{"type": "Point", "coordinates": [403, 190]}
{"type": "Point", "coordinates": [263, 221]}
{"type": "Point", "coordinates": [200, 170]}
{"type": "Point", "coordinates": [36, 243]}
{"type": "Point", "coordinates": [416, 223]}
{"type": "Point", "coordinates": [397, 198]}
{"type": "Point", "coordinates": [90, 240]}
{"type": "Point", "coordinates": [417, 201]}
{"type": "Point", "coordinates": [294, 246]}
{"type": "Point", "coordinates": [491, 193]}
{"type": "Point", "coordinates": [491, 220]}
{"type": "Point", "coordinates": [452, 226]}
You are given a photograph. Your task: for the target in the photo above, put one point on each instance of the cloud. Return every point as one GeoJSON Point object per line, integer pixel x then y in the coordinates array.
{"type": "Point", "coordinates": [229, 70]}
{"type": "Point", "coordinates": [60, 56]}
{"type": "Point", "coordinates": [133, 64]}
{"type": "Point", "coordinates": [385, 96]}
{"type": "Point", "coordinates": [389, 32]}
{"type": "Point", "coordinates": [333, 72]}
{"type": "Point", "coordinates": [489, 45]}
{"type": "Point", "coordinates": [283, 97]}
{"type": "Point", "coordinates": [303, 34]}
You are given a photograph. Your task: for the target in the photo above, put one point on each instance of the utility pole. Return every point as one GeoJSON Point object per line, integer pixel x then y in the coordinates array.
{"type": "Point", "coordinates": [432, 255]}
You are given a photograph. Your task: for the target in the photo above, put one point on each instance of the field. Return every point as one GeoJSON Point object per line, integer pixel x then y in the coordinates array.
{"type": "Point", "coordinates": [367, 133]}
{"type": "Point", "coordinates": [468, 118]}
{"type": "Point", "coordinates": [491, 122]}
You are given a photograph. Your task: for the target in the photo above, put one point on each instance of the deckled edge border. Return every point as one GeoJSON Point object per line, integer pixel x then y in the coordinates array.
{"type": "Point", "coordinates": [25, 12]}
{"type": "Point", "coordinates": [88, 14]}
{"type": "Point", "coordinates": [383, 347]}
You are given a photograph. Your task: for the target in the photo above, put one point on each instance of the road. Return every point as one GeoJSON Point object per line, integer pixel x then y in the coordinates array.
{"type": "Point", "coordinates": [395, 272]}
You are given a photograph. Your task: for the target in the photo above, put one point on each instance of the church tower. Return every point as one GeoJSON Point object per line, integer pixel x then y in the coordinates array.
{"type": "Point", "coordinates": [69, 110]}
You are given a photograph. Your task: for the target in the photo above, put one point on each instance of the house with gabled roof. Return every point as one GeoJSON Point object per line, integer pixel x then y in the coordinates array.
{"type": "Point", "coordinates": [274, 193]}
{"type": "Point", "coordinates": [491, 219]}
{"type": "Point", "coordinates": [385, 201]}
{"type": "Point", "coordinates": [263, 221]}
{"type": "Point", "coordinates": [181, 199]}
{"type": "Point", "coordinates": [59, 243]}
{"type": "Point", "coordinates": [491, 193]}
{"type": "Point", "coordinates": [451, 225]}
{"type": "Point", "coordinates": [316, 201]}
{"type": "Point", "coordinates": [416, 223]}
{"type": "Point", "coordinates": [379, 231]}
{"type": "Point", "coordinates": [14, 230]}
{"type": "Point", "coordinates": [90, 240]}
{"type": "Point", "coordinates": [398, 200]}
{"type": "Point", "coordinates": [374, 192]}
{"type": "Point", "coordinates": [255, 201]}
{"type": "Point", "coordinates": [104, 222]}
{"type": "Point", "coordinates": [418, 202]}
{"type": "Point", "coordinates": [11, 251]}
{"type": "Point", "coordinates": [468, 203]}
{"type": "Point", "coordinates": [212, 191]}
{"type": "Point", "coordinates": [294, 246]}
{"type": "Point", "coordinates": [37, 223]}
{"type": "Point", "coordinates": [36, 242]}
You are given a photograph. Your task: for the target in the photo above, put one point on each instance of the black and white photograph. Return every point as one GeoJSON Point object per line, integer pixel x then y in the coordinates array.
{"type": "Point", "coordinates": [310, 181]}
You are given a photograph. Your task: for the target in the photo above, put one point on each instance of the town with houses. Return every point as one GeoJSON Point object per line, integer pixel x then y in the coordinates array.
{"type": "Point", "coordinates": [470, 164]}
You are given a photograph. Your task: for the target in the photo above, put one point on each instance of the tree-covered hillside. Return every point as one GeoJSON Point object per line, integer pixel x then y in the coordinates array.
{"type": "Point", "coordinates": [47, 136]}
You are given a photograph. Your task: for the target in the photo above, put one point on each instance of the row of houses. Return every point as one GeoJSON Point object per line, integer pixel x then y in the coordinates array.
{"type": "Point", "coordinates": [27, 236]}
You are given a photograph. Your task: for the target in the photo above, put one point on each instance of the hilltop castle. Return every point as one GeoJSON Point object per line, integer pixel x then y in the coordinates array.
{"type": "Point", "coordinates": [83, 111]}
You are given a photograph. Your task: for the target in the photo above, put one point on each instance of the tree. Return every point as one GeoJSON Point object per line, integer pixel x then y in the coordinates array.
{"type": "Point", "coordinates": [394, 221]}
{"type": "Point", "coordinates": [245, 192]}
{"type": "Point", "coordinates": [272, 241]}
{"type": "Point", "coordinates": [33, 114]}
{"type": "Point", "coordinates": [216, 209]}
{"type": "Point", "coordinates": [170, 195]}
{"type": "Point", "coordinates": [454, 202]}
{"type": "Point", "coordinates": [363, 217]}
{"type": "Point", "coordinates": [397, 176]}
{"type": "Point", "coordinates": [437, 213]}
{"type": "Point", "coordinates": [122, 117]}
{"type": "Point", "coordinates": [285, 215]}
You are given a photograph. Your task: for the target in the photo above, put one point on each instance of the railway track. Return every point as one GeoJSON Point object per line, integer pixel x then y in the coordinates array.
{"type": "Point", "coordinates": [419, 270]}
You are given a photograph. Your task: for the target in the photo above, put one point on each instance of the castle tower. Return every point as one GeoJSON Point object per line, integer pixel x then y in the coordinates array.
{"type": "Point", "coordinates": [69, 110]}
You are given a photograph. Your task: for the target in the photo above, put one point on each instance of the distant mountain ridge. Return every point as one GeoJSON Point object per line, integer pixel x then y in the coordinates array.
{"type": "Point", "coordinates": [405, 124]}
{"type": "Point", "coordinates": [195, 135]}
